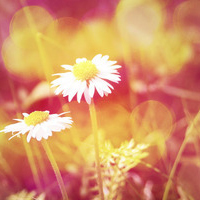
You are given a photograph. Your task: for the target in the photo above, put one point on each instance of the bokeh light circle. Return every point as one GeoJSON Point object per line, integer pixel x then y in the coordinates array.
{"type": "Point", "coordinates": [26, 23]}
{"type": "Point", "coordinates": [138, 21]}
{"type": "Point", "coordinates": [20, 62]}
{"type": "Point", "coordinates": [150, 117]}
{"type": "Point", "coordinates": [187, 20]}
{"type": "Point", "coordinates": [152, 123]}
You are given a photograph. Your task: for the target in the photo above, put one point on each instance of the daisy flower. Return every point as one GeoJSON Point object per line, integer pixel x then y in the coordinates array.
{"type": "Point", "coordinates": [85, 76]}
{"type": "Point", "coordinates": [39, 124]}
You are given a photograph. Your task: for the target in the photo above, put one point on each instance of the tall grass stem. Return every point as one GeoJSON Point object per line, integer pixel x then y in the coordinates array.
{"type": "Point", "coordinates": [173, 170]}
{"type": "Point", "coordinates": [93, 118]}
{"type": "Point", "coordinates": [32, 163]}
{"type": "Point", "coordinates": [56, 169]}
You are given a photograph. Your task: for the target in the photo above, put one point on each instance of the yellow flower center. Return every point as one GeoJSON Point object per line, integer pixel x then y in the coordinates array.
{"type": "Point", "coordinates": [85, 70]}
{"type": "Point", "coordinates": [36, 117]}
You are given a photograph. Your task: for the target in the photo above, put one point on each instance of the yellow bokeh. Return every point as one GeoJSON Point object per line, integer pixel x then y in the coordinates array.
{"type": "Point", "coordinates": [59, 44]}
{"type": "Point", "coordinates": [151, 117]}
{"type": "Point", "coordinates": [114, 122]}
{"type": "Point", "coordinates": [66, 39]}
{"type": "Point", "coordinates": [23, 52]}
{"type": "Point", "coordinates": [167, 54]}
{"type": "Point", "coordinates": [138, 21]}
{"type": "Point", "coordinates": [25, 25]}
{"type": "Point", "coordinates": [20, 62]}
{"type": "Point", "coordinates": [152, 123]}
{"type": "Point", "coordinates": [102, 37]}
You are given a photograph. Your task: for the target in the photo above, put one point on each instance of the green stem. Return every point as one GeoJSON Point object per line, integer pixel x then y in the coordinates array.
{"type": "Point", "coordinates": [56, 169]}
{"type": "Point", "coordinates": [31, 163]}
{"type": "Point", "coordinates": [173, 170]}
{"type": "Point", "coordinates": [96, 147]}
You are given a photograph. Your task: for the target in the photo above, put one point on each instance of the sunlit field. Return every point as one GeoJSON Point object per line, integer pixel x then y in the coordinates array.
{"type": "Point", "coordinates": [100, 100]}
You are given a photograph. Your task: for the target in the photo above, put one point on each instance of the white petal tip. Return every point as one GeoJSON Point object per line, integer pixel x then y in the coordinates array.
{"type": "Point", "coordinates": [25, 114]}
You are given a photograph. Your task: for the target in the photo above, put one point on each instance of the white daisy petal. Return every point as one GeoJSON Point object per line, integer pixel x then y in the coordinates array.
{"type": "Point", "coordinates": [25, 114]}
{"type": "Point", "coordinates": [23, 131]}
{"type": "Point", "coordinates": [110, 62]}
{"type": "Point", "coordinates": [110, 77]}
{"type": "Point", "coordinates": [78, 60]}
{"type": "Point", "coordinates": [19, 120]}
{"type": "Point", "coordinates": [96, 58]}
{"type": "Point", "coordinates": [59, 74]}
{"type": "Point", "coordinates": [91, 89]}
{"type": "Point", "coordinates": [98, 87]}
{"type": "Point", "coordinates": [67, 67]}
{"type": "Point", "coordinates": [14, 135]}
{"type": "Point", "coordinates": [61, 113]}
{"type": "Point", "coordinates": [74, 90]}
{"type": "Point", "coordinates": [29, 136]}
{"type": "Point", "coordinates": [15, 127]}
{"type": "Point", "coordinates": [81, 91]}
{"type": "Point", "coordinates": [67, 89]}
{"type": "Point", "coordinates": [39, 134]}
{"type": "Point", "coordinates": [86, 76]}
{"type": "Point", "coordinates": [87, 96]}
{"type": "Point", "coordinates": [58, 90]}
{"type": "Point", "coordinates": [106, 89]}
{"type": "Point", "coordinates": [105, 58]}
{"type": "Point", "coordinates": [65, 75]}
{"type": "Point", "coordinates": [116, 66]}
{"type": "Point", "coordinates": [65, 79]}
{"type": "Point", "coordinates": [39, 124]}
{"type": "Point", "coordinates": [47, 131]}
{"type": "Point", "coordinates": [45, 135]}
{"type": "Point", "coordinates": [35, 130]}
{"type": "Point", "coordinates": [103, 82]}
{"type": "Point", "coordinates": [50, 133]}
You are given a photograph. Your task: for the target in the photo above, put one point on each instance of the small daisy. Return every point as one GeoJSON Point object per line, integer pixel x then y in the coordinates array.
{"type": "Point", "coordinates": [39, 124]}
{"type": "Point", "coordinates": [86, 76]}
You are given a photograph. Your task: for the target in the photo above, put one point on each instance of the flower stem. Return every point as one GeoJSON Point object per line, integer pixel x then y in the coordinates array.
{"type": "Point", "coordinates": [56, 169]}
{"type": "Point", "coordinates": [96, 147]}
{"type": "Point", "coordinates": [173, 170]}
{"type": "Point", "coordinates": [32, 163]}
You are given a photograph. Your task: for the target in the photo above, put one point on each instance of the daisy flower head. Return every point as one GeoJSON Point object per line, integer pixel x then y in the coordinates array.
{"type": "Point", "coordinates": [39, 124]}
{"type": "Point", "coordinates": [85, 76]}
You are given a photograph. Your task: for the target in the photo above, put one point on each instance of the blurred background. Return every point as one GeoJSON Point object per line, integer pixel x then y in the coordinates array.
{"type": "Point", "coordinates": [157, 43]}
